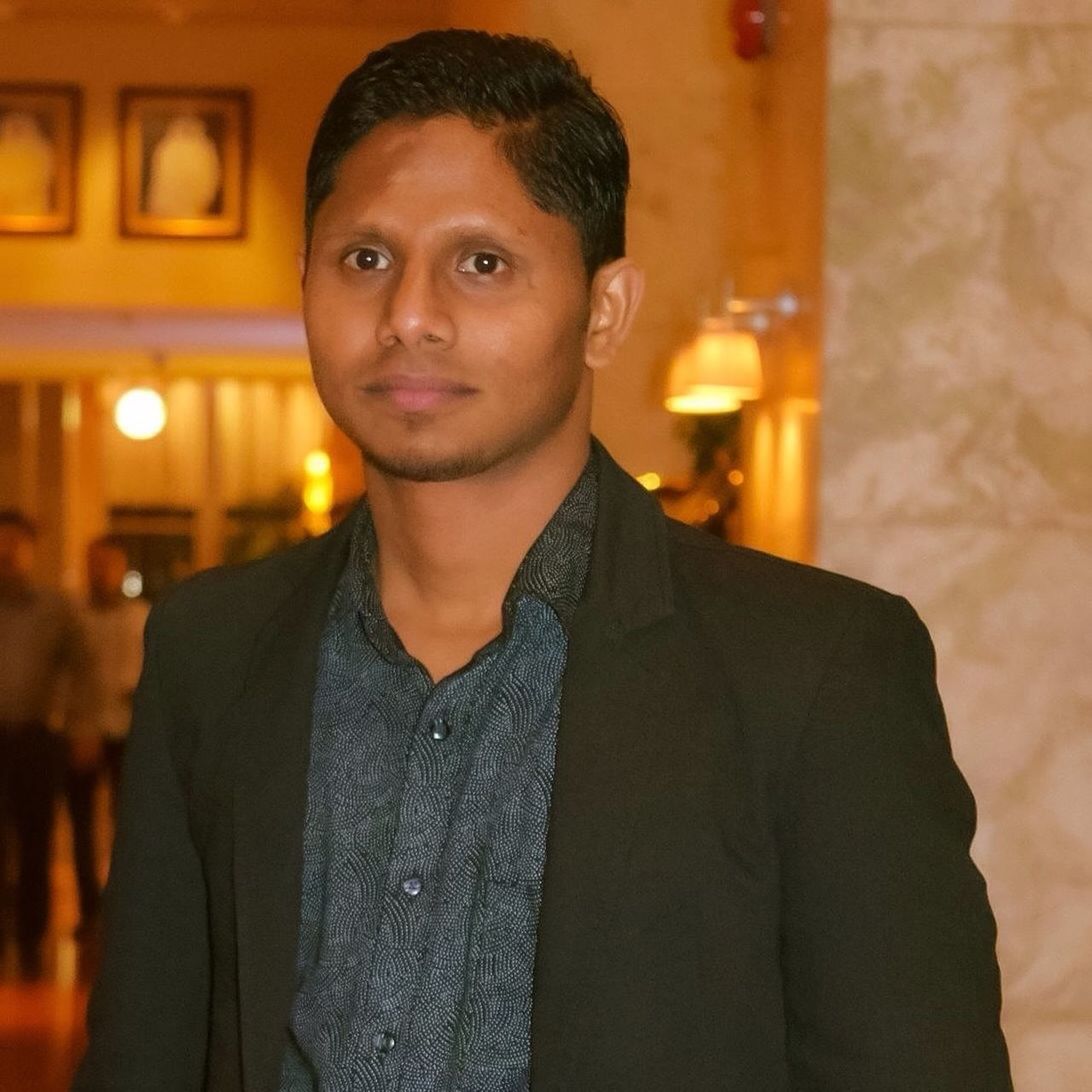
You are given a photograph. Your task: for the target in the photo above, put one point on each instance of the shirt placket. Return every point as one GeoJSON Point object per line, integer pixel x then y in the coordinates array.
{"type": "Point", "coordinates": [436, 751]}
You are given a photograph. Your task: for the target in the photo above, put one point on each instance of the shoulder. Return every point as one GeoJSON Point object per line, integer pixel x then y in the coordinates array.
{"type": "Point", "coordinates": [759, 582]}
{"type": "Point", "coordinates": [234, 601]}
{"type": "Point", "coordinates": [779, 625]}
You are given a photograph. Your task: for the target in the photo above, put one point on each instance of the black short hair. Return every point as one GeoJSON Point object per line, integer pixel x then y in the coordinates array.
{"type": "Point", "coordinates": [12, 517]}
{"type": "Point", "coordinates": [563, 139]}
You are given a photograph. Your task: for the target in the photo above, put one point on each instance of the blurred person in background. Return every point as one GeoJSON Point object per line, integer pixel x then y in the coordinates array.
{"type": "Point", "coordinates": [46, 681]}
{"type": "Point", "coordinates": [114, 627]}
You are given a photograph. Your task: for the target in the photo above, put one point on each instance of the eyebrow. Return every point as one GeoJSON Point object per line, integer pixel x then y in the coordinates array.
{"type": "Point", "coordinates": [468, 236]}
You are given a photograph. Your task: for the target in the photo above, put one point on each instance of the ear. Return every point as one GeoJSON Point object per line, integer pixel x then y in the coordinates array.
{"type": "Point", "coordinates": [616, 291]}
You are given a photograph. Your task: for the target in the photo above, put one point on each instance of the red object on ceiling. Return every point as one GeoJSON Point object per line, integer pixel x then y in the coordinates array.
{"type": "Point", "coordinates": [752, 21]}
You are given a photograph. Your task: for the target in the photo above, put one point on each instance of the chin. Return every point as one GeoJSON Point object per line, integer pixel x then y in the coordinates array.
{"type": "Point", "coordinates": [427, 467]}
{"type": "Point", "coordinates": [425, 463]}
{"type": "Point", "coordinates": [425, 455]}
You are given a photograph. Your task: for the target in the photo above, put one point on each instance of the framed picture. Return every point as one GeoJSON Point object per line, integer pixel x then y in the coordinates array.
{"type": "Point", "coordinates": [39, 132]}
{"type": "Point", "coordinates": [184, 162]}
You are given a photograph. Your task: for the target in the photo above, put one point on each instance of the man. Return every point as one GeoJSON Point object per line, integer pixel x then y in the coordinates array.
{"type": "Point", "coordinates": [114, 625]}
{"type": "Point", "coordinates": [44, 668]}
{"type": "Point", "coordinates": [509, 782]}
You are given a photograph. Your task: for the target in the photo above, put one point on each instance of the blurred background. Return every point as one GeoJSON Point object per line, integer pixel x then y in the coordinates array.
{"type": "Point", "coordinates": [867, 230]}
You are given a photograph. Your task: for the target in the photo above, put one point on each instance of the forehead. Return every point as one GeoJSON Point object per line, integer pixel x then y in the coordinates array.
{"type": "Point", "coordinates": [419, 173]}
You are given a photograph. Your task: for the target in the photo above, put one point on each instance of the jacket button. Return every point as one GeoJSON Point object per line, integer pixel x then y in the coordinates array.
{"type": "Point", "coordinates": [440, 729]}
{"type": "Point", "coordinates": [383, 1041]}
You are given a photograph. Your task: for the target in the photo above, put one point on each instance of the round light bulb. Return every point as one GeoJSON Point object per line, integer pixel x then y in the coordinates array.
{"type": "Point", "coordinates": [140, 413]}
{"type": "Point", "coordinates": [132, 584]}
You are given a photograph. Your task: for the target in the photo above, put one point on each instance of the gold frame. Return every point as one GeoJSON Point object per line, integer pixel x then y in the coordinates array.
{"type": "Point", "coordinates": [224, 116]}
{"type": "Point", "coordinates": [56, 108]}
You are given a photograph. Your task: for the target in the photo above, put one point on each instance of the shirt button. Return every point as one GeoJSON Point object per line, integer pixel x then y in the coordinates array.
{"type": "Point", "coordinates": [412, 886]}
{"type": "Point", "coordinates": [440, 729]}
{"type": "Point", "coordinates": [383, 1041]}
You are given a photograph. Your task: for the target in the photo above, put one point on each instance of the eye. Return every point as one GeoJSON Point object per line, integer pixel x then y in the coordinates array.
{"type": "Point", "coordinates": [483, 263]}
{"type": "Point", "coordinates": [367, 258]}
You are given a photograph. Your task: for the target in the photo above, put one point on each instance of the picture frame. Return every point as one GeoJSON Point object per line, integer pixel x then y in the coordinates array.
{"type": "Point", "coordinates": [39, 141]}
{"type": "Point", "coordinates": [184, 162]}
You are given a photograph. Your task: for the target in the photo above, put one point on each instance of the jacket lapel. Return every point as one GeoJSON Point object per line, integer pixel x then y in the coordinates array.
{"type": "Point", "coordinates": [617, 683]}
{"type": "Point", "coordinates": [273, 723]}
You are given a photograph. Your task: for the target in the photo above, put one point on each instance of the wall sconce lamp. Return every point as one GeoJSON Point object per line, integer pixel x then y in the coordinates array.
{"type": "Point", "coordinates": [721, 368]}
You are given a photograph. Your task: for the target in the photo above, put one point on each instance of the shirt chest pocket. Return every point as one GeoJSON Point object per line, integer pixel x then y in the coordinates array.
{"type": "Point", "coordinates": [496, 1029]}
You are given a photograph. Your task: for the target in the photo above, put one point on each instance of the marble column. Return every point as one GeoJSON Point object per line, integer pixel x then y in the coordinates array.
{"type": "Point", "coordinates": [957, 434]}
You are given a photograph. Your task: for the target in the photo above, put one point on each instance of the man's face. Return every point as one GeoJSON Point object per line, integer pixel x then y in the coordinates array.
{"type": "Point", "coordinates": [446, 313]}
{"type": "Point", "coordinates": [16, 554]}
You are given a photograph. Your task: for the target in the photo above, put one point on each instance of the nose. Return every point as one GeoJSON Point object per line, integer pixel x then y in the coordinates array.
{"type": "Point", "coordinates": [415, 310]}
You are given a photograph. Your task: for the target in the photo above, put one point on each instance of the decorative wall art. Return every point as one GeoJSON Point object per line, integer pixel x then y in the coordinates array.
{"type": "Point", "coordinates": [184, 159]}
{"type": "Point", "coordinates": [39, 132]}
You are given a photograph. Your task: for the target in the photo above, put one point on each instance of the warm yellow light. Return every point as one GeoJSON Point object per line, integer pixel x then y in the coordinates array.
{"type": "Point", "coordinates": [702, 399]}
{"type": "Point", "coordinates": [316, 463]}
{"type": "Point", "coordinates": [318, 496]}
{"type": "Point", "coordinates": [318, 491]}
{"type": "Point", "coordinates": [716, 372]}
{"type": "Point", "coordinates": [651, 481]}
{"type": "Point", "coordinates": [735, 477]}
{"type": "Point", "coordinates": [140, 413]}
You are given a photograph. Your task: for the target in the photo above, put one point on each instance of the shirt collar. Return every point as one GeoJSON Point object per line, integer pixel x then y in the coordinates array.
{"type": "Point", "coordinates": [554, 570]}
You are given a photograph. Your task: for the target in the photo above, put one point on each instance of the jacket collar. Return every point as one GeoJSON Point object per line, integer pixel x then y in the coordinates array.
{"type": "Point", "coordinates": [629, 580]}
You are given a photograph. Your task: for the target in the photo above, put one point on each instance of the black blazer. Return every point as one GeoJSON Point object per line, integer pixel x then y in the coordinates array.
{"type": "Point", "coordinates": [757, 874]}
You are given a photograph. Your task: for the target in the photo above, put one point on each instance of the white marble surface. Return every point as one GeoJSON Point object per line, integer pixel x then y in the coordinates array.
{"type": "Point", "coordinates": [957, 436]}
{"type": "Point", "coordinates": [972, 13]}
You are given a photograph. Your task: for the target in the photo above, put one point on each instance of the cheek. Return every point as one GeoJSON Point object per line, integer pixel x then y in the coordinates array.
{"type": "Point", "coordinates": [540, 348]}
{"type": "Point", "coordinates": [338, 330]}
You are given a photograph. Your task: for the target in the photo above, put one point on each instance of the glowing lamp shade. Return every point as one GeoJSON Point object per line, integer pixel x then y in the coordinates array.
{"type": "Point", "coordinates": [716, 372]}
{"type": "Point", "coordinates": [140, 413]}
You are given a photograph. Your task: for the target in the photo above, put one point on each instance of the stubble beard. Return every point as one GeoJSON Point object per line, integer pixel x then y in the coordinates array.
{"type": "Point", "coordinates": [412, 466]}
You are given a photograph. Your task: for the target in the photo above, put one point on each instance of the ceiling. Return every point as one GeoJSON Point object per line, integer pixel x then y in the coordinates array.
{"type": "Point", "coordinates": [356, 12]}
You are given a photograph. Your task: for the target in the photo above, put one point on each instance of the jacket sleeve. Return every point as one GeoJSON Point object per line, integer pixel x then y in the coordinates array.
{"type": "Point", "coordinates": [149, 1010]}
{"type": "Point", "coordinates": [891, 980]}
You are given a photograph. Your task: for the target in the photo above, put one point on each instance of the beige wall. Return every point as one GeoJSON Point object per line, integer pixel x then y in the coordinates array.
{"type": "Point", "coordinates": [291, 71]}
{"type": "Point", "coordinates": [774, 210]}
{"type": "Point", "coordinates": [957, 435]}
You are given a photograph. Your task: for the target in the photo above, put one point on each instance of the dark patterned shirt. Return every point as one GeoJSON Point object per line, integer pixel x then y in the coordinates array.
{"type": "Point", "coordinates": [425, 837]}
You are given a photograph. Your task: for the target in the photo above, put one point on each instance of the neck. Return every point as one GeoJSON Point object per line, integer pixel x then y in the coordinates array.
{"type": "Point", "coordinates": [448, 551]}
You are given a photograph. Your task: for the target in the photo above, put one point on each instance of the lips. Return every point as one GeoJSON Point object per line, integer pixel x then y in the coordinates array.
{"type": "Point", "coordinates": [415, 393]}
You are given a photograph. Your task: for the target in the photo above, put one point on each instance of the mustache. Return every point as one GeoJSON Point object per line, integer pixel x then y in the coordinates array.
{"type": "Point", "coordinates": [396, 369]}
{"type": "Point", "coordinates": [409, 381]}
